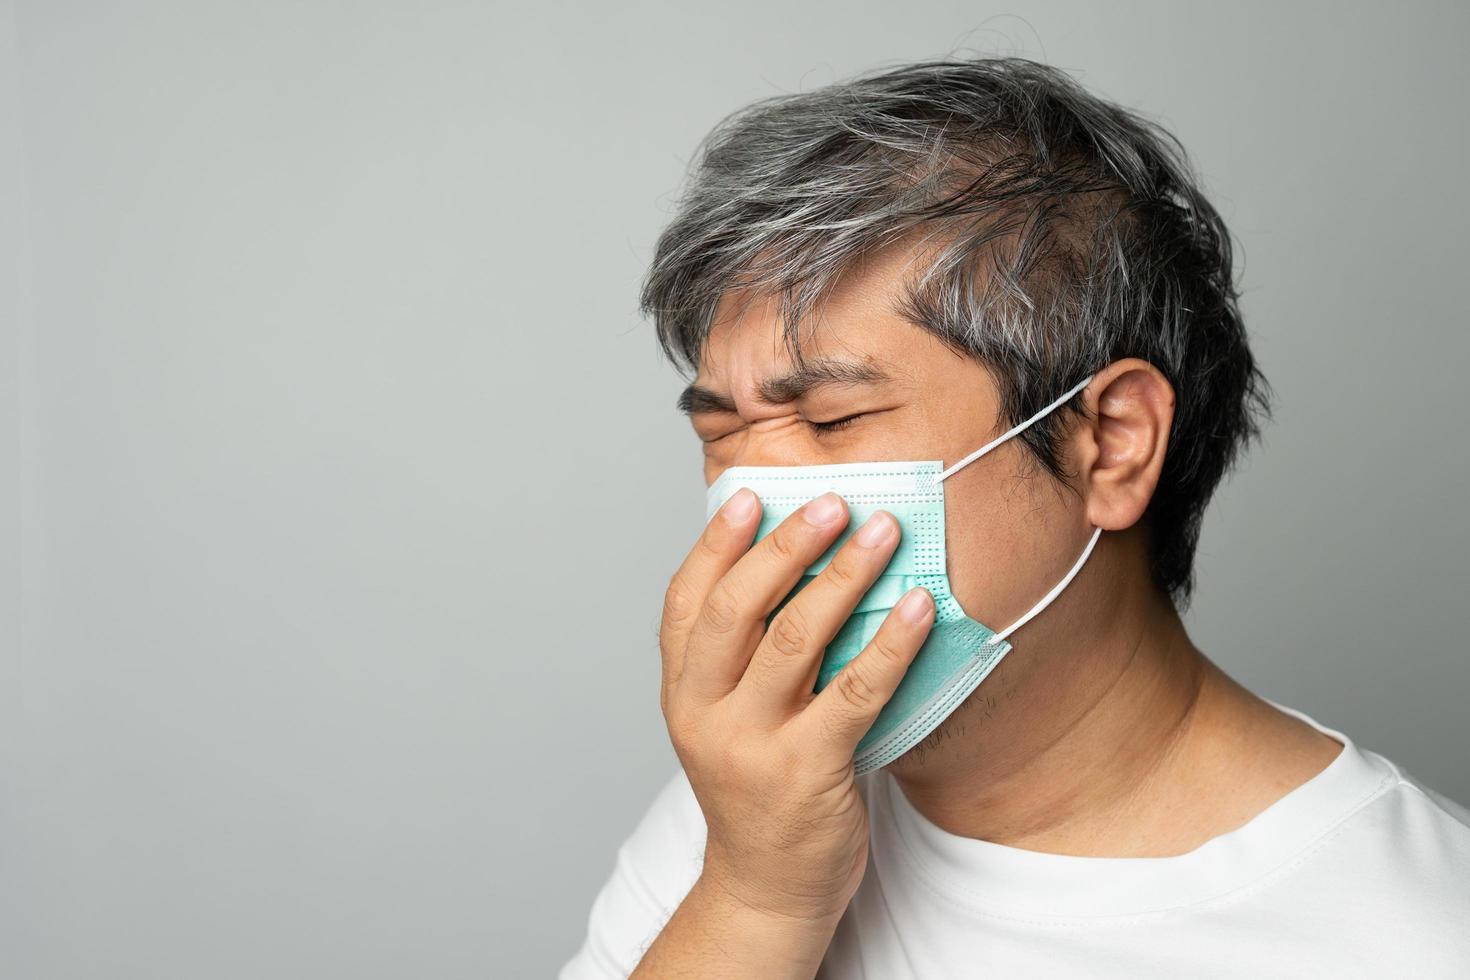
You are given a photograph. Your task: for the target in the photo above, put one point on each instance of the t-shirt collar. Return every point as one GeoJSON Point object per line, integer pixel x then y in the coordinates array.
{"type": "Point", "coordinates": [996, 877]}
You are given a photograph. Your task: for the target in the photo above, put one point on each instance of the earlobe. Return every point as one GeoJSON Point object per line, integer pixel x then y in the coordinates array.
{"type": "Point", "coordinates": [1132, 410]}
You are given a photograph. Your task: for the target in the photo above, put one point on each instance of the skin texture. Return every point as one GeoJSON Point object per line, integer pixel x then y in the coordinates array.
{"type": "Point", "coordinates": [1104, 732]}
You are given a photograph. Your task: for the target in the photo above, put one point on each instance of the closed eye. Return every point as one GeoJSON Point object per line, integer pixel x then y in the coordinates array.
{"type": "Point", "coordinates": [835, 424]}
{"type": "Point", "coordinates": [707, 440]}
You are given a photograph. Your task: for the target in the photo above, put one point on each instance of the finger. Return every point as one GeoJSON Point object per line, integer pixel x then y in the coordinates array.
{"type": "Point", "coordinates": [724, 539]}
{"type": "Point", "coordinates": [785, 663]}
{"type": "Point", "coordinates": [846, 708]}
{"type": "Point", "coordinates": [731, 622]}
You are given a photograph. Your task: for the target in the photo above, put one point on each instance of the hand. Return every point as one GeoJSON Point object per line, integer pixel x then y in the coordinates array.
{"type": "Point", "coordinates": [769, 761]}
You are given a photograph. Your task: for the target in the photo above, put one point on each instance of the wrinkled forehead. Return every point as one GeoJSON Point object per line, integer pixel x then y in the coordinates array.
{"type": "Point", "coordinates": [749, 338]}
{"type": "Point", "coordinates": [856, 319]}
{"type": "Point", "coordinates": [752, 362]}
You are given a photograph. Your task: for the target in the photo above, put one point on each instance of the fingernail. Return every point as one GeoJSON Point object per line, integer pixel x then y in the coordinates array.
{"type": "Point", "coordinates": [823, 510]}
{"type": "Point", "coordinates": [875, 531]}
{"type": "Point", "coordinates": [737, 509]}
{"type": "Point", "coordinates": [914, 606]}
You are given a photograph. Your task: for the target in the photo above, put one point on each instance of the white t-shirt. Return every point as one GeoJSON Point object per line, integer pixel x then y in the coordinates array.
{"type": "Point", "coordinates": [1359, 872]}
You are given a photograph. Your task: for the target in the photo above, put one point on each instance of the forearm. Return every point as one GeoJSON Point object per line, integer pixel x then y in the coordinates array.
{"type": "Point", "coordinates": [712, 935]}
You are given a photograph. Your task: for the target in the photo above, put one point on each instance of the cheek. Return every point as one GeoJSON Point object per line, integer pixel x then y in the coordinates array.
{"type": "Point", "coordinates": [1006, 543]}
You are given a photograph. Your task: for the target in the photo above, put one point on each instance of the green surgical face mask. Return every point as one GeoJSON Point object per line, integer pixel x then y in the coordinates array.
{"type": "Point", "coordinates": [959, 651]}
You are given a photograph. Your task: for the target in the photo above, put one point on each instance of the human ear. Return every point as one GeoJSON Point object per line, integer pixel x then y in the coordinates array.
{"type": "Point", "coordinates": [1121, 445]}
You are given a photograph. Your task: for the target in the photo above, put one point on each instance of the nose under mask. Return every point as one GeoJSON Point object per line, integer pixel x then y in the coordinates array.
{"type": "Point", "coordinates": [959, 651]}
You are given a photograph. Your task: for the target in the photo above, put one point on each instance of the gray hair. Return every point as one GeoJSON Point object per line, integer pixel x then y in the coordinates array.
{"type": "Point", "coordinates": [1070, 233]}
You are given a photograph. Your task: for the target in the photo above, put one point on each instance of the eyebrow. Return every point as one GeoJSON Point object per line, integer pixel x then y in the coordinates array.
{"type": "Point", "coordinates": [812, 374]}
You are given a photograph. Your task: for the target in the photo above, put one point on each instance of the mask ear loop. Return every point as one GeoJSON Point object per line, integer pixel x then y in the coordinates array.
{"type": "Point", "coordinates": [1046, 600]}
{"type": "Point", "coordinates": [1014, 430]}
{"type": "Point", "coordinates": [1056, 591]}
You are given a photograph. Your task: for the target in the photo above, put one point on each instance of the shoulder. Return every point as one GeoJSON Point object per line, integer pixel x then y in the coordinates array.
{"type": "Point", "coordinates": [1403, 858]}
{"type": "Point", "coordinates": [655, 868]}
{"type": "Point", "coordinates": [1373, 864]}
{"type": "Point", "coordinates": [1413, 825]}
{"type": "Point", "coordinates": [1379, 812]}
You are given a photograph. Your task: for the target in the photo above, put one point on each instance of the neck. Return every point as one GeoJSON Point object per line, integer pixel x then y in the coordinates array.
{"type": "Point", "coordinates": [1119, 744]}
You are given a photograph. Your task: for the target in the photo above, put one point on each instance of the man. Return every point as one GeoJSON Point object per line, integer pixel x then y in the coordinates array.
{"type": "Point", "coordinates": [902, 268]}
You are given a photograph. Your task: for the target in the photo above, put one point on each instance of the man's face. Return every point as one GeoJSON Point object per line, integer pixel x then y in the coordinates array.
{"type": "Point", "coordinates": [878, 388]}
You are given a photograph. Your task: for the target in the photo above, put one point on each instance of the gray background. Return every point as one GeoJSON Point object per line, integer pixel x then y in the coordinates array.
{"type": "Point", "coordinates": [341, 479]}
